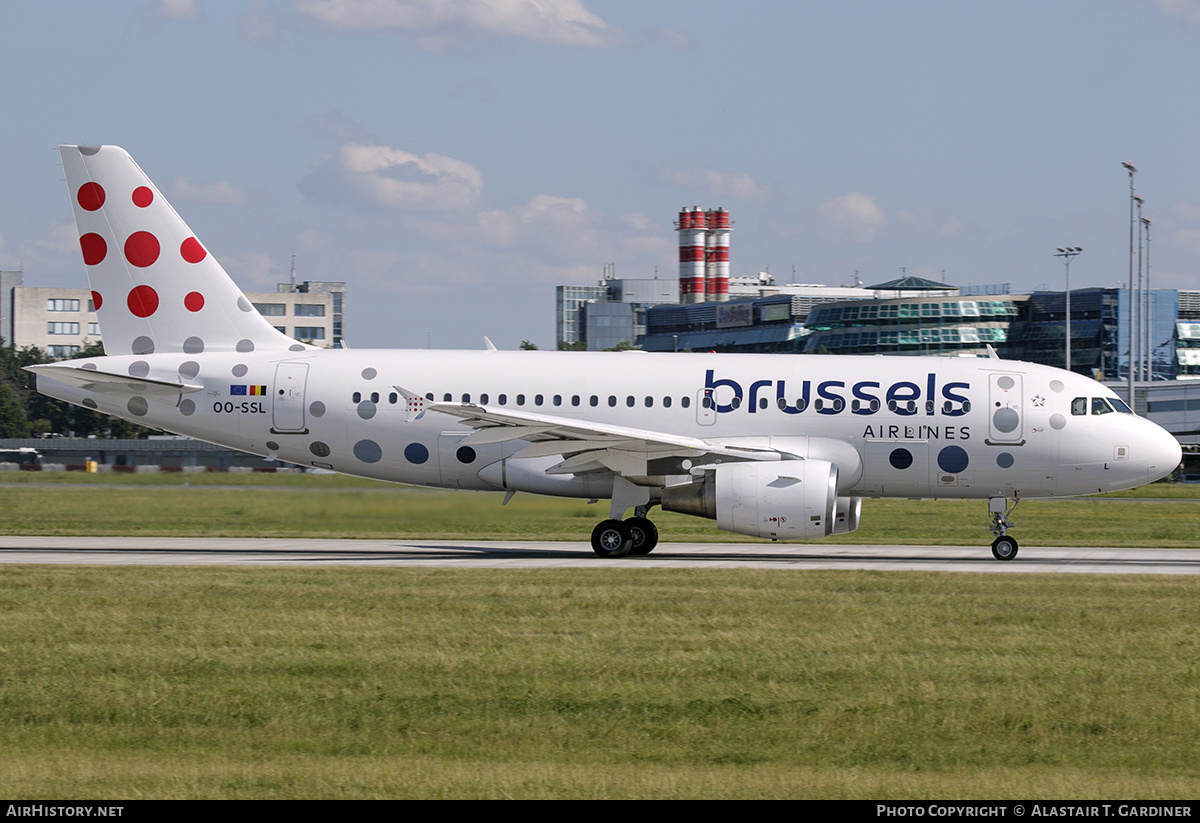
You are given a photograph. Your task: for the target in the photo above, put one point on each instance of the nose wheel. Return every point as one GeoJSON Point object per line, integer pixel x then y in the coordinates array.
{"type": "Point", "coordinates": [1003, 547]}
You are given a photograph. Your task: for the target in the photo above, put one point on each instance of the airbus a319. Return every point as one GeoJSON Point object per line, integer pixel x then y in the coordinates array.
{"type": "Point", "coordinates": [770, 446]}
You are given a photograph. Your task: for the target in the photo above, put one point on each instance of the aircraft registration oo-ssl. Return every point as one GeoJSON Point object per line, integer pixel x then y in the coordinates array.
{"type": "Point", "coordinates": [767, 445]}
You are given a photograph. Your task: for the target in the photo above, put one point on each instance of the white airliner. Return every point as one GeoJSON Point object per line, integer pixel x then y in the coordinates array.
{"type": "Point", "coordinates": [769, 446]}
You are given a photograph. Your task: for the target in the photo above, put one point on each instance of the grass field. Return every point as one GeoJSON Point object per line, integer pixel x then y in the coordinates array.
{"type": "Point", "coordinates": [201, 682]}
{"type": "Point", "coordinates": [310, 505]}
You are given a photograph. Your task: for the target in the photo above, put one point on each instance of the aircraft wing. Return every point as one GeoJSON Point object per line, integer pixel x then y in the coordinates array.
{"type": "Point", "coordinates": [589, 446]}
{"type": "Point", "coordinates": [94, 380]}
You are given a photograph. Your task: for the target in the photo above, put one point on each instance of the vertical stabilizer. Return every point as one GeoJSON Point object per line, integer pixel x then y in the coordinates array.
{"type": "Point", "coordinates": [155, 287]}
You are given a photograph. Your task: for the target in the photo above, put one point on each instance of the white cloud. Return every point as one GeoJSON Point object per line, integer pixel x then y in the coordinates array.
{"type": "Point", "coordinates": [369, 175]}
{"type": "Point", "coordinates": [926, 221]}
{"type": "Point", "coordinates": [672, 37]}
{"type": "Point", "coordinates": [220, 192]}
{"type": "Point", "coordinates": [64, 237]}
{"type": "Point", "coordinates": [439, 24]}
{"type": "Point", "coordinates": [257, 24]}
{"type": "Point", "coordinates": [1188, 239]}
{"type": "Point", "coordinates": [1186, 10]}
{"type": "Point", "coordinates": [717, 183]}
{"type": "Point", "coordinates": [254, 271]}
{"type": "Point", "coordinates": [546, 220]}
{"type": "Point", "coordinates": [178, 10]}
{"type": "Point", "coordinates": [638, 220]}
{"type": "Point", "coordinates": [854, 216]}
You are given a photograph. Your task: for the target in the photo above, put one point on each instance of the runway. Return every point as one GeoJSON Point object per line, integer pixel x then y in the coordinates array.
{"type": "Point", "coordinates": [504, 554]}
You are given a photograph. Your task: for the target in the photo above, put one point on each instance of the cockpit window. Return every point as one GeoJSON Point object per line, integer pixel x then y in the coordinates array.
{"type": "Point", "coordinates": [1120, 405]}
{"type": "Point", "coordinates": [1079, 406]}
{"type": "Point", "coordinates": [1100, 406]}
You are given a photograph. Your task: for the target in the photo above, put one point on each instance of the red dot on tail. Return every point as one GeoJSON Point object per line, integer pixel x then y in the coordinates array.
{"type": "Point", "coordinates": [94, 248]}
{"type": "Point", "coordinates": [194, 301]}
{"type": "Point", "coordinates": [90, 196]}
{"type": "Point", "coordinates": [192, 251]}
{"type": "Point", "coordinates": [143, 301]}
{"type": "Point", "coordinates": [142, 197]}
{"type": "Point", "coordinates": [96, 300]}
{"type": "Point", "coordinates": [141, 249]}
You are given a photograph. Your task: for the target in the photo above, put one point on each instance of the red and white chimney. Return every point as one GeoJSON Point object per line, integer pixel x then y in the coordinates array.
{"type": "Point", "coordinates": [703, 255]}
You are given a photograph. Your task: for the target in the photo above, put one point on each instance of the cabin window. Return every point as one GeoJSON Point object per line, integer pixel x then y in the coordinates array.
{"type": "Point", "coordinates": [374, 397]}
{"type": "Point", "coordinates": [685, 401]}
{"type": "Point", "coordinates": [558, 399]}
{"type": "Point", "coordinates": [649, 402]}
{"type": "Point", "coordinates": [393, 398]}
{"type": "Point", "coordinates": [762, 402]}
{"type": "Point", "coordinates": [502, 399]}
{"type": "Point", "coordinates": [483, 398]}
{"type": "Point", "coordinates": [595, 401]}
{"type": "Point", "coordinates": [356, 397]}
{"type": "Point", "coordinates": [466, 398]}
{"type": "Point", "coordinates": [667, 402]}
{"type": "Point", "coordinates": [446, 398]}
{"type": "Point", "coordinates": [520, 400]}
{"type": "Point", "coordinates": [537, 400]}
{"type": "Point", "coordinates": [574, 400]}
{"type": "Point", "coordinates": [629, 401]}
{"type": "Point", "coordinates": [612, 400]}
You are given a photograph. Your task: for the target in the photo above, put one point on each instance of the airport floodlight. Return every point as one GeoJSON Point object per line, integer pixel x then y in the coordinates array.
{"type": "Point", "coordinates": [1067, 254]}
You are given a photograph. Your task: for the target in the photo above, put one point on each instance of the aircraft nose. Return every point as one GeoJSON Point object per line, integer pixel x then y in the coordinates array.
{"type": "Point", "coordinates": [1162, 452]}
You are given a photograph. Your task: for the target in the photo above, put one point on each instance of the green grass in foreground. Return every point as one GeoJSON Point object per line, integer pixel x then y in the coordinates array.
{"type": "Point", "coordinates": [344, 507]}
{"type": "Point", "coordinates": [129, 682]}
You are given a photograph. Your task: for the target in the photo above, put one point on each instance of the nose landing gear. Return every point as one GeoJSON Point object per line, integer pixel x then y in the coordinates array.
{"type": "Point", "coordinates": [1003, 547]}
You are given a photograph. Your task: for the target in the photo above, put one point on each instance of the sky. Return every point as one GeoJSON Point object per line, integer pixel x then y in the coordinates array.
{"type": "Point", "coordinates": [454, 160]}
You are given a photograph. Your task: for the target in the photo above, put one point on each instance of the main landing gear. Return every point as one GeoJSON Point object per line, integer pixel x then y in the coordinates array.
{"type": "Point", "coordinates": [633, 536]}
{"type": "Point", "coordinates": [1003, 547]}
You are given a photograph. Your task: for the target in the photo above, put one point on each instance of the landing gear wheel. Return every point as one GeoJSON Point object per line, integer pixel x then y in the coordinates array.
{"type": "Point", "coordinates": [644, 533]}
{"type": "Point", "coordinates": [1004, 548]}
{"type": "Point", "coordinates": [612, 538]}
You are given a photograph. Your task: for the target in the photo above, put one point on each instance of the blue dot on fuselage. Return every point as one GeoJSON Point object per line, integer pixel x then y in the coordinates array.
{"type": "Point", "coordinates": [416, 453]}
{"type": "Point", "coordinates": [952, 459]}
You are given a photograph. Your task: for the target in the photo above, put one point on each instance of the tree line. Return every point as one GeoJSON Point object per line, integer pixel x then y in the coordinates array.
{"type": "Point", "coordinates": [26, 413]}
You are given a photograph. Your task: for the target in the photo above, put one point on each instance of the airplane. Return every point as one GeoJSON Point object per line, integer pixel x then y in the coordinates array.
{"type": "Point", "coordinates": [769, 446]}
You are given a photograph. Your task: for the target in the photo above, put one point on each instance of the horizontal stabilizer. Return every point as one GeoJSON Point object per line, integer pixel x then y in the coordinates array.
{"type": "Point", "coordinates": [98, 381]}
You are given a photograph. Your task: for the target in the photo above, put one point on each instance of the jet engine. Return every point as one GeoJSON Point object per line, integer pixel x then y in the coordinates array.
{"type": "Point", "coordinates": [780, 500]}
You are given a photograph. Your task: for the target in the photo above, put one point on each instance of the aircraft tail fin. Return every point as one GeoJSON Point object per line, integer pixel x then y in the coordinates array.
{"type": "Point", "coordinates": [155, 287]}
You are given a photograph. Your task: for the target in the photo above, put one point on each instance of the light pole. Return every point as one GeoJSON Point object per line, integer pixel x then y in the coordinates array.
{"type": "Point", "coordinates": [1129, 373]}
{"type": "Point", "coordinates": [1147, 315]}
{"type": "Point", "coordinates": [1068, 254]}
{"type": "Point", "coordinates": [1141, 318]}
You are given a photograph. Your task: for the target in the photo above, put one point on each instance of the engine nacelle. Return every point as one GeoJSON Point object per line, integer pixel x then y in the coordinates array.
{"type": "Point", "coordinates": [780, 500]}
{"type": "Point", "coordinates": [846, 514]}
